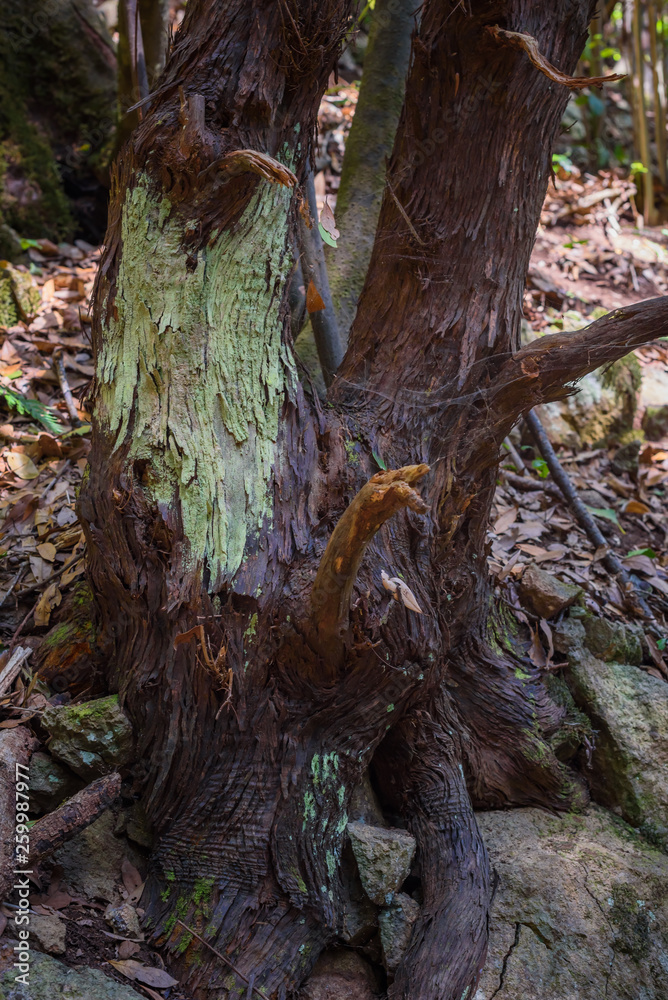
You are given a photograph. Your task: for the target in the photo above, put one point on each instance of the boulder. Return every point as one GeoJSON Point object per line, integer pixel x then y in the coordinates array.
{"type": "Point", "coordinates": [384, 858]}
{"type": "Point", "coordinates": [340, 974]}
{"type": "Point", "coordinates": [396, 926]}
{"type": "Point", "coordinates": [92, 738]}
{"type": "Point", "coordinates": [50, 979]}
{"type": "Point", "coordinates": [50, 783]}
{"type": "Point", "coordinates": [48, 934]}
{"type": "Point", "coordinates": [359, 916]}
{"type": "Point", "coordinates": [545, 594]}
{"type": "Point", "coordinates": [628, 709]}
{"type": "Point", "coordinates": [92, 860]}
{"type": "Point", "coordinates": [580, 911]}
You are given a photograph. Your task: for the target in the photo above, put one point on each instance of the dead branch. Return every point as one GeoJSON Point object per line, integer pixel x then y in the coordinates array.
{"type": "Point", "coordinates": [546, 369]}
{"type": "Point", "coordinates": [528, 44]}
{"type": "Point", "coordinates": [73, 816]}
{"type": "Point", "coordinates": [59, 365]}
{"type": "Point", "coordinates": [12, 668]}
{"type": "Point", "coordinates": [631, 594]}
{"type": "Point", "coordinates": [380, 498]}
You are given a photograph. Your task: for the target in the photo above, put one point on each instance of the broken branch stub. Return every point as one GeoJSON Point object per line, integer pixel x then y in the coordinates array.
{"type": "Point", "coordinates": [380, 498]}
{"type": "Point", "coordinates": [528, 44]}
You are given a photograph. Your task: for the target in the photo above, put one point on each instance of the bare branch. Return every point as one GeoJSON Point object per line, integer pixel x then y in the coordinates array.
{"type": "Point", "coordinates": [73, 816]}
{"type": "Point", "coordinates": [241, 161]}
{"type": "Point", "coordinates": [547, 368]}
{"type": "Point", "coordinates": [380, 498]}
{"type": "Point", "coordinates": [528, 44]}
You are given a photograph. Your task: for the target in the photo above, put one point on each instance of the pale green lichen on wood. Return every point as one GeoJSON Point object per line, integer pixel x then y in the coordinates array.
{"type": "Point", "coordinates": [193, 361]}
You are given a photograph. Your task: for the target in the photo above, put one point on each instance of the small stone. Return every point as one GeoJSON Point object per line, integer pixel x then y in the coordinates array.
{"type": "Point", "coordinates": [384, 858]}
{"type": "Point", "coordinates": [396, 926]}
{"type": "Point", "coordinates": [545, 594]}
{"type": "Point", "coordinates": [92, 738]}
{"type": "Point", "coordinates": [123, 920]}
{"type": "Point", "coordinates": [50, 783]}
{"type": "Point", "coordinates": [48, 933]}
{"type": "Point", "coordinates": [655, 422]}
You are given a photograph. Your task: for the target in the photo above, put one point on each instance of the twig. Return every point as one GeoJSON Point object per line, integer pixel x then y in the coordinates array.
{"type": "Point", "coordinates": [583, 517]}
{"type": "Point", "coordinates": [529, 485]}
{"type": "Point", "coordinates": [516, 457]}
{"type": "Point", "coordinates": [225, 959]}
{"type": "Point", "coordinates": [59, 365]}
{"type": "Point", "coordinates": [312, 257]}
{"type": "Point", "coordinates": [528, 44]}
{"type": "Point", "coordinates": [19, 576]}
{"type": "Point", "coordinates": [404, 213]}
{"type": "Point", "coordinates": [12, 668]}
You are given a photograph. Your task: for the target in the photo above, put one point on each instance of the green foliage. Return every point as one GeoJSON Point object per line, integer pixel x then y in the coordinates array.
{"type": "Point", "coordinates": [540, 465]}
{"type": "Point", "coordinates": [30, 407]}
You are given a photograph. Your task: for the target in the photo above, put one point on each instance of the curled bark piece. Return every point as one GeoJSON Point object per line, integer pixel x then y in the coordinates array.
{"type": "Point", "coordinates": [380, 498]}
{"type": "Point", "coordinates": [528, 44]}
{"type": "Point", "coordinates": [242, 161]}
{"type": "Point", "coordinates": [73, 816]}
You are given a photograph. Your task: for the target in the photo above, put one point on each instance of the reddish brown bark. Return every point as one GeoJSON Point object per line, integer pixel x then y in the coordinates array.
{"type": "Point", "coordinates": [256, 714]}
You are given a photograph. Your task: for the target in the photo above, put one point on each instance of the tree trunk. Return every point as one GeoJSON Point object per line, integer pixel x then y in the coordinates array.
{"type": "Point", "coordinates": [237, 532]}
{"type": "Point", "coordinates": [153, 17]}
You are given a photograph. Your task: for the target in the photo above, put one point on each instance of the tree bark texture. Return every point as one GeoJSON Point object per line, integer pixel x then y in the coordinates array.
{"type": "Point", "coordinates": [237, 532]}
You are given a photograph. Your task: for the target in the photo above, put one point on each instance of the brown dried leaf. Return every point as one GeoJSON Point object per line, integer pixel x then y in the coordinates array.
{"type": "Point", "coordinates": [328, 223]}
{"type": "Point", "coordinates": [635, 507]}
{"type": "Point", "coordinates": [314, 302]}
{"type": "Point", "coordinates": [127, 949]}
{"type": "Point", "coordinates": [131, 877]}
{"type": "Point", "coordinates": [537, 653]}
{"type": "Point", "coordinates": [506, 520]}
{"type": "Point", "coordinates": [21, 465]}
{"type": "Point", "coordinates": [155, 977]}
{"type": "Point", "coordinates": [49, 600]}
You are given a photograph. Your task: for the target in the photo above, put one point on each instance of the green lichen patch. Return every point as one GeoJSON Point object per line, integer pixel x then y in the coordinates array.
{"type": "Point", "coordinates": [193, 362]}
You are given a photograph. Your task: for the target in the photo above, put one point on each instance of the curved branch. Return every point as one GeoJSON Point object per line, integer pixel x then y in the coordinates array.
{"type": "Point", "coordinates": [545, 370]}
{"type": "Point", "coordinates": [528, 44]}
{"type": "Point", "coordinates": [380, 498]}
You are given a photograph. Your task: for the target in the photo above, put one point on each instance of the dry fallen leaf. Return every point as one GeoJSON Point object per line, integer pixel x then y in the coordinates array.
{"type": "Point", "coordinates": [47, 550]}
{"type": "Point", "coordinates": [506, 519]}
{"type": "Point", "coordinates": [49, 600]}
{"type": "Point", "coordinates": [151, 976]}
{"type": "Point", "coordinates": [635, 507]}
{"type": "Point", "coordinates": [127, 949]}
{"type": "Point", "coordinates": [328, 223]}
{"type": "Point", "coordinates": [21, 465]}
{"type": "Point", "coordinates": [537, 653]}
{"type": "Point", "coordinates": [131, 877]}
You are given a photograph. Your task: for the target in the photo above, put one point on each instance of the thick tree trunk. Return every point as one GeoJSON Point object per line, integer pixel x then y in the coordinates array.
{"type": "Point", "coordinates": [236, 549]}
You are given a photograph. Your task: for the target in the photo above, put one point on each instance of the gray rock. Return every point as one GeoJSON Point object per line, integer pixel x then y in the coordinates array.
{"type": "Point", "coordinates": [48, 933]}
{"type": "Point", "coordinates": [629, 710]}
{"type": "Point", "coordinates": [340, 974]}
{"type": "Point", "coordinates": [545, 594]}
{"type": "Point", "coordinates": [50, 979]}
{"type": "Point", "coordinates": [580, 912]}
{"type": "Point", "coordinates": [50, 783]}
{"type": "Point", "coordinates": [123, 920]}
{"type": "Point", "coordinates": [612, 641]}
{"type": "Point", "coordinates": [92, 738]}
{"type": "Point", "coordinates": [396, 926]}
{"type": "Point", "coordinates": [359, 916]}
{"type": "Point", "coordinates": [384, 859]}
{"type": "Point", "coordinates": [92, 860]}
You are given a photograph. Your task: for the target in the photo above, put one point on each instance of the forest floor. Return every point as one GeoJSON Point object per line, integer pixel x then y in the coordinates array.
{"type": "Point", "coordinates": [589, 256]}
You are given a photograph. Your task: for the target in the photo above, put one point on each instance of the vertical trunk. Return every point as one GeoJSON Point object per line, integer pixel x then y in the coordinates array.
{"type": "Point", "coordinates": [153, 18]}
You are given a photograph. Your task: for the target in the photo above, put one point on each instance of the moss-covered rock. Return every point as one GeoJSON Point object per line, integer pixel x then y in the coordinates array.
{"type": "Point", "coordinates": [384, 858]}
{"type": "Point", "coordinates": [19, 295]}
{"type": "Point", "coordinates": [628, 709]}
{"type": "Point", "coordinates": [581, 909]}
{"type": "Point", "coordinates": [92, 738]}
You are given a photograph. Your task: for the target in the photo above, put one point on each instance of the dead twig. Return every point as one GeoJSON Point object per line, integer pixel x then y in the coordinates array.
{"type": "Point", "coordinates": [528, 44]}
{"type": "Point", "coordinates": [631, 593]}
{"type": "Point", "coordinates": [516, 457]}
{"type": "Point", "coordinates": [528, 485]}
{"type": "Point", "coordinates": [225, 959]}
{"type": "Point", "coordinates": [59, 365]}
{"type": "Point", "coordinates": [404, 214]}
{"type": "Point", "coordinates": [12, 668]}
